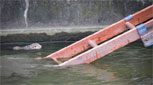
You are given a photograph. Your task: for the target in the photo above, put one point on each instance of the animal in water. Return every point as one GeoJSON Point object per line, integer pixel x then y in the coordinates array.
{"type": "Point", "coordinates": [33, 46]}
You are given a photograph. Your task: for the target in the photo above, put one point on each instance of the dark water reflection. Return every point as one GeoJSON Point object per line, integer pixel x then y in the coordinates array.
{"type": "Point", "coordinates": [130, 65]}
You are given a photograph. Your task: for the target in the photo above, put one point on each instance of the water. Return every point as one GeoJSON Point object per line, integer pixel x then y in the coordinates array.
{"type": "Point", "coordinates": [130, 65]}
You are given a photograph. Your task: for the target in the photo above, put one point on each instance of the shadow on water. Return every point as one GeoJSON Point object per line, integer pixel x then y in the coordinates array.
{"type": "Point", "coordinates": [130, 65]}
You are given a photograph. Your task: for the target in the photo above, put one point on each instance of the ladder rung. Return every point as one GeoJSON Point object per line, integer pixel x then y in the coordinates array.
{"type": "Point", "coordinates": [92, 43]}
{"type": "Point", "coordinates": [129, 25]}
{"type": "Point", "coordinates": [55, 59]}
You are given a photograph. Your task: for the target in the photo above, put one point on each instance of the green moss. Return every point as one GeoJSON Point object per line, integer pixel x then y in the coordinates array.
{"type": "Point", "coordinates": [89, 13]}
{"type": "Point", "coordinates": [84, 12]}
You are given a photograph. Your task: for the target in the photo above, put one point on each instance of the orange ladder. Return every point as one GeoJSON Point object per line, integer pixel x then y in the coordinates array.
{"type": "Point", "coordinates": [125, 26]}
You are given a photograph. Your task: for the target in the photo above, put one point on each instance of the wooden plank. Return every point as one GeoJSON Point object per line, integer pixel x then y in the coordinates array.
{"type": "Point", "coordinates": [111, 45]}
{"type": "Point", "coordinates": [104, 49]}
{"type": "Point", "coordinates": [148, 38]}
{"type": "Point", "coordinates": [102, 35]}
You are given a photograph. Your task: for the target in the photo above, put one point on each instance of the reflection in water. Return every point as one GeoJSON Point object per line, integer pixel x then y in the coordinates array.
{"type": "Point", "coordinates": [130, 65]}
{"type": "Point", "coordinates": [91, 70]}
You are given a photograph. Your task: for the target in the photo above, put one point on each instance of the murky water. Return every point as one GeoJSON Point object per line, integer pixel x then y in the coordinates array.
{"type": "Point", "coordinates": [130, 65]}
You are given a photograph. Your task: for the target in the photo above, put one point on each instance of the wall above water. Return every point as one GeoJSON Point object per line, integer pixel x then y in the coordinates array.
{"type": "Point", "coordinates": [65, 13]}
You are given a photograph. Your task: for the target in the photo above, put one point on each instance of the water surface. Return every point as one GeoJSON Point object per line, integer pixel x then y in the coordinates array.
{"type": "Point", "coordinates": [130, 65]}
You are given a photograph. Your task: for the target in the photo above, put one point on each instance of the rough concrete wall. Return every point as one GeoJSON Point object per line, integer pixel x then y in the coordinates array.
{"type": "Point", "coordinates": [46, 13]}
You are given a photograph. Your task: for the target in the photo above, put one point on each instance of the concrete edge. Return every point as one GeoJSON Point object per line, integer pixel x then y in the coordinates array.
{"type": "Point", "coordinates": [50, 30]}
